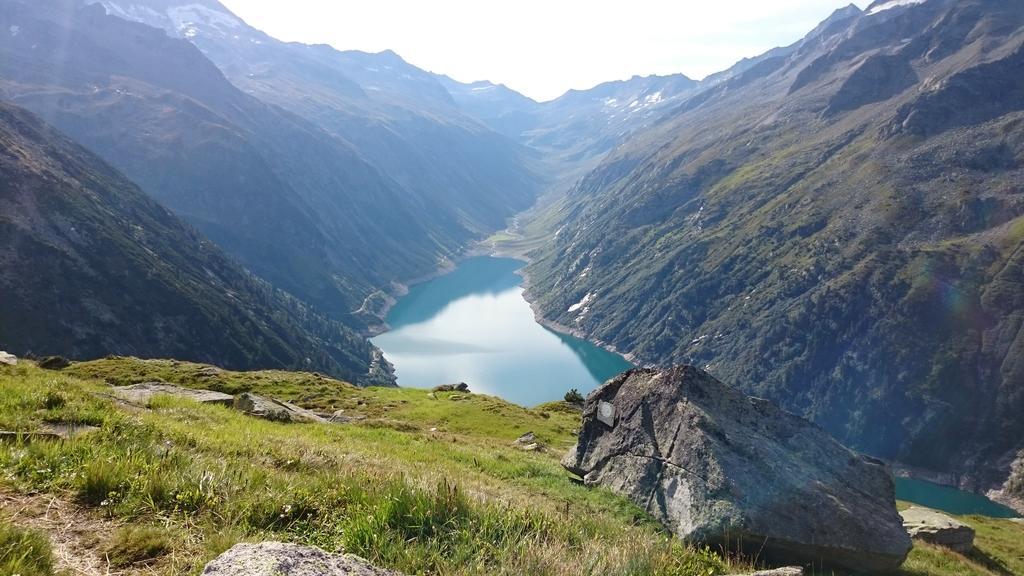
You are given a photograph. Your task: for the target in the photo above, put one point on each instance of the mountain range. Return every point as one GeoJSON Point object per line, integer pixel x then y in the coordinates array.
{"type": "Point", "coordinates": [836, 225]}
{"type": "Point", "coordinates": [93, 266]}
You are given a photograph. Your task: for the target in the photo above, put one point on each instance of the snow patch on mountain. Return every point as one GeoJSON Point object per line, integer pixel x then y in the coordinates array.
{"type": "Point", "coordinates": [133, 12]}
{"type": "Point", "coordinates": [186, 20]}
{"type": "Point", "coordinates": [586, 300]}
{"type": "Point", "coordinates": [193, 14]}
{"type": "Point", "coordinates": [894, 4]}
{"type": "Point", "coordinates": [653, 98]}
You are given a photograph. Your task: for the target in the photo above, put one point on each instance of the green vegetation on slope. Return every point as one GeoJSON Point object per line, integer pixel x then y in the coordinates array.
{"type": "Point", "coordinates": [866, 277]}
{"type": "Point", "coordinates": [426, 483]}
{"type": "Point", "coordinates": [24, 552]}
{"type": "Point", "coordinates": [455, 500]}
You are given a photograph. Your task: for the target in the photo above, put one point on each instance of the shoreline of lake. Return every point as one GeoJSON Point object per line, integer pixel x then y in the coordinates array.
{"type": "Point", "coordinates": [474, 325]}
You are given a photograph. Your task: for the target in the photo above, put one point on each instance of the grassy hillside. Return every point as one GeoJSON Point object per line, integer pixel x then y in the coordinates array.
{"type": "Point", "coordinates": [426, 483]}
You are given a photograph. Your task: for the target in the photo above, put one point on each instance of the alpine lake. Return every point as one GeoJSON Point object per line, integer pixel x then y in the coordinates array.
{"type": "Point", "coordinates": [473, 325]}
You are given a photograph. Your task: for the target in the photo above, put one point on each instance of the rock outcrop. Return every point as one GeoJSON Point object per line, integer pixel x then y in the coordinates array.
{"type": "Point", "coordinates": [54, 363]}
{"type": "Point", "coordinates": [785, 571]}
{"type": "Point", "coordinates": [271, 409]}
{"type": "Point", "coordinates": [279, 559]}
{"type": "Point", "coordinates": [717, 466]}
{"type": "Point", "coordinates": [141, 394]}
{"type": "Point", "coordinates": [8, 359]}
{"type": "Point", "coordinates": [937, 528]}
{"type": "Point", "coordinates": [460, 387]}
{"type": "Point", "coordinates": [1011, 493]}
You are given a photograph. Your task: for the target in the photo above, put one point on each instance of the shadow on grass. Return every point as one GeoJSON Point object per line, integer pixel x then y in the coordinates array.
{"type": "Point", "coordinates": [994, 565]}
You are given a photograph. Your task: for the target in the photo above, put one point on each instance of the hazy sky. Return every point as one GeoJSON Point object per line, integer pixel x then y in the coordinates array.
{"type": "Point", "coordinates": [544, 47]}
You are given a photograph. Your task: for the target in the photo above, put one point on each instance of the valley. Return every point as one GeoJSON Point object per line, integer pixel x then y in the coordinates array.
{"type": "Point", "coordinates": [833, 227]}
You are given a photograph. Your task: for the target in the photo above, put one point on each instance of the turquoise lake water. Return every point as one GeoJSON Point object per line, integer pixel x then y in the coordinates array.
{"type": "Point", "coordinates": [949, 499]}
{"type": "Point", "coordinates": [474, 326]}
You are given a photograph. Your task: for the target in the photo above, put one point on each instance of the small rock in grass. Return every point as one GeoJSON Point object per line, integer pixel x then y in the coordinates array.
{"type": "Point", "coordinates": [528, 438]}
{"type": "Point", "coordinates": [279, 559]}
{"type": "Point", "coordinates": [271, 409]}
{"type": "Point", "coordinates": [339, 417]}
{"type": "Point", "coordinates": [787, 571]}
{"type": "Point", "coordinates": [8, 359]}
{"type": "Point", "coordinates": [460, 387]}
{"type": "Point", "coordinates": [938, 528]}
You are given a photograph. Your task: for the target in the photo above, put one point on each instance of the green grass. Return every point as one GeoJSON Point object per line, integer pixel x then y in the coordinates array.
{"type": "Point", "coordinates": [24, 552]}
{"type": "Point", "coordinates": [456, 500]}
{"type": "Point", "coordinates": [137, 545]}
{"type": "Point", "coordinates": [999, 550]}
{"type": "Point", "coordinates": [427, 484]}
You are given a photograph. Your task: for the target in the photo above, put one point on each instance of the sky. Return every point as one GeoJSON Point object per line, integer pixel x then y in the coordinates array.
{"type": "Point", "coordinates": [544, 47]}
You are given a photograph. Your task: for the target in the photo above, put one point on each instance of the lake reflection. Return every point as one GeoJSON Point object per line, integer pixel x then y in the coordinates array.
{"type": "Point", "coordinates": [474, 326]}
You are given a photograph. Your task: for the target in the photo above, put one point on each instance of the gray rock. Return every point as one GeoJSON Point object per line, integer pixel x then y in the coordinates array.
{"type": "Point", "coordinates": [1011, 493]}
{"type": "Point", "coordinates": [279, 559]}
{"type": "Point", "coordinates": [49, 431]}
{"type": "Point", "coordinates": [719, 467]}
{"type": "Point", "coordinates": [528, 438]}
{"type": "Point", "coordinates": [528, 443]}
{"type": "Point", "coordinates": [340, 417]}
{"type": "Point", "coordinates": [141, 394]}
{"type": "Point", "coordinates": [208, 372]}
{"type": "Point", "coordinates": [8, 359]}
{"type": "Point", "coordinates": [68, 430]}
{"type": "Point", "coordinates": [606, 413]}
{"type": "Point", "coordinates": [271, 409]}
{"type": "Point", "coordinates": [787, 571]}
{"type": "Point", "coordinates": [937, 528]}
{"type": "Point", "coordinates": [460, 387]}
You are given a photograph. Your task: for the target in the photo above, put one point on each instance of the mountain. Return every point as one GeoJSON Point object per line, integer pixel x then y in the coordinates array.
{"type": "Point", "coordinates": [92, 266]}
{"type": "Point", "coordinates": [836, 225]}
{"type": "Point", "coordinates": [299, 205]}
{"type": "Point", "coordinates": [496, 105]}
{"type": "Point", "coordinates": [577, 129]}
{"type": "Point", "coordinates": [464, 179]}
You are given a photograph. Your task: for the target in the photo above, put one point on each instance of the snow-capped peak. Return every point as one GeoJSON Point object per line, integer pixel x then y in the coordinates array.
{"type": "Point", "coordinates": [186, 20]}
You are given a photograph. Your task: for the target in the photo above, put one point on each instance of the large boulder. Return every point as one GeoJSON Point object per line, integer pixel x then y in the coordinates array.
{"type": "Point", "coordinates": [719, 467]}
{"type": "Point", "coordinates": [278, 559]}
{"type": "Point", "coordinates": [937, 528]}
{"type": "Point", "coordinates": [8, 359]}
{"type": "Point", "coordinates": [271, 409]}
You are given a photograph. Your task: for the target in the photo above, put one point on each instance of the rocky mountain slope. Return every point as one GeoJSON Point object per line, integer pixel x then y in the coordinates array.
{"type": "Point", "coordinates": [400, 118]}
{"type": "Point", "coordinates": [298, 204]}
{"type": "Point", "coordinates": [92, 266]}
{"type": "Point", "coordinates": [576, 130]}
{"type": "Point", "coordinates": [836, 225]}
